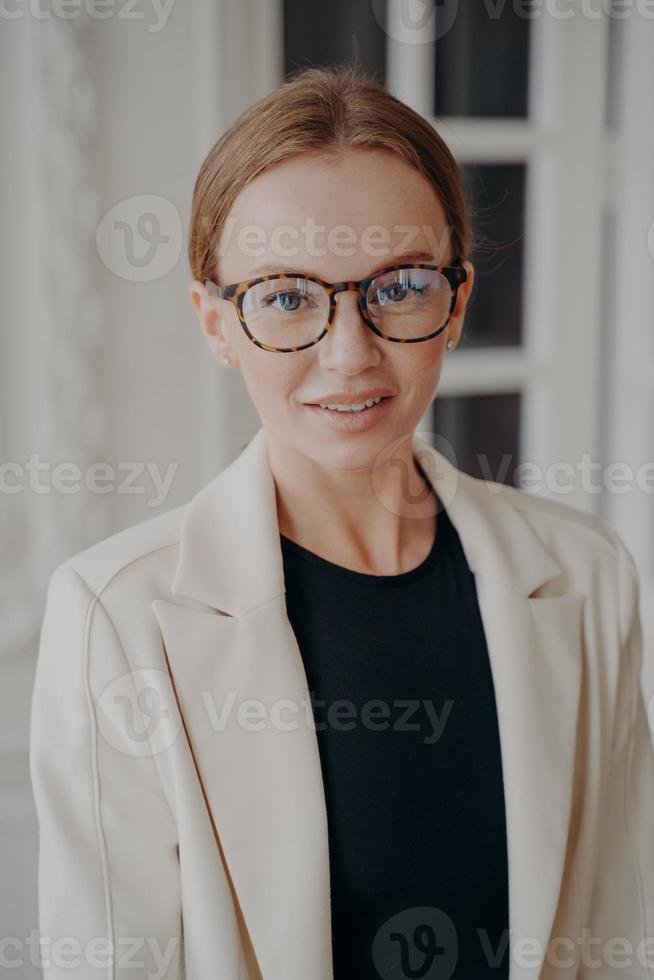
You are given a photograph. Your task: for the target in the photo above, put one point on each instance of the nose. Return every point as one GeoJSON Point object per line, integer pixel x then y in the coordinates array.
{"type": "Point", "coordinates": [349, 347]}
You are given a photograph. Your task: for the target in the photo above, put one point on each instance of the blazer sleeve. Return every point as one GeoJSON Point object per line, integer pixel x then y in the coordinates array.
{"type": "Point", "coordinates": [108, 872]}
{"type": "Point", "coordinates": [622, 903]}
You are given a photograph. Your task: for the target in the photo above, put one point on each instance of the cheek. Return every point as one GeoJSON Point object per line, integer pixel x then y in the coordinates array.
{"type": "Point", "coordinates": [262, 371]}
{"type": "Point", "coordinates": [271, 379]}
{"type": "Point", "coordinates": [418, 365]}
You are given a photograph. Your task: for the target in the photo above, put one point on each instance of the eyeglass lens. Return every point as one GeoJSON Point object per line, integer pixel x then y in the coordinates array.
{"type": "Point", "coordinates": [403, 304]}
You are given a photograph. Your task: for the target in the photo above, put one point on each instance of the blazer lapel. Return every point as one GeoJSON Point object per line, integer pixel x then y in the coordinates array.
{"type": "Point", "coordinates": [243, 694]}
{"type": "Point", "coordinates": [242, 690]}
{"type": "Point", "coordinates": [535, 651]}
{"type": "Point", "coordinates": [241, 687]}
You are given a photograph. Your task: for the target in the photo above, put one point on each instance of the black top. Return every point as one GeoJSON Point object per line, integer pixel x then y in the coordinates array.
{"type": "Point", "coordinates": [404, 704]}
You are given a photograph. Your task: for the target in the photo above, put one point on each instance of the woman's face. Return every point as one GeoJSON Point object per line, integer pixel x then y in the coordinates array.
{"type": "Point", "coordinates": [338, 220]}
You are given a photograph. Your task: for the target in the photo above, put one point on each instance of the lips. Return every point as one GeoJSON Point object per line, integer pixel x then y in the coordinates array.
{"type": "Point", "coordinates": [351, 422]}
{"type": "Point", "coordinates": [351, 398]}
{"type": "Point", "coordinates": [354, 407]}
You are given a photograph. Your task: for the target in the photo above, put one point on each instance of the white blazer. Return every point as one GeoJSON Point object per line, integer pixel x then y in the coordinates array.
{"type": "Point", "coordinates": [176, 773]}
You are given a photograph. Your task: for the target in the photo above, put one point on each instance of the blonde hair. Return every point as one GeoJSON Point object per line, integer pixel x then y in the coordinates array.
{"type": "Point", "coordinates": [319, 110]}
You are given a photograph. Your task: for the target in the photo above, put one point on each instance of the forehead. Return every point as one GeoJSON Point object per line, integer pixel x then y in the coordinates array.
{"type": "Point", "coordinates": [335, 218]}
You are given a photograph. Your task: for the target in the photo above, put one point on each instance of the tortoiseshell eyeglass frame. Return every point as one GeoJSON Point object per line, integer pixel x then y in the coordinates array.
{"type": "Point", "coordinates": [235, 292]}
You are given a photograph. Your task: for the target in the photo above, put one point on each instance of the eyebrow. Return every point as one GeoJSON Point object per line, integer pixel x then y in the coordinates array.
{"type": "Point", "coordinates": [415, 256]}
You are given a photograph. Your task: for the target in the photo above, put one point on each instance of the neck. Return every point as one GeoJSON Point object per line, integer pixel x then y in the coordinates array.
{"type": "Point", "coordinates": [378, 519]}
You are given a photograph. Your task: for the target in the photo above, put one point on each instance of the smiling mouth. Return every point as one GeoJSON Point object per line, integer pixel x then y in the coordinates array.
{"type": "Point", "coordinates": [354, 407]}
{"type": "Point", "coordinates": [352, 418]}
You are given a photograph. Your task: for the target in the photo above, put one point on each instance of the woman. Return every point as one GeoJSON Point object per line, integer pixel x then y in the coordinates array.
{"type": "Point", "coordinates": [350, 712]}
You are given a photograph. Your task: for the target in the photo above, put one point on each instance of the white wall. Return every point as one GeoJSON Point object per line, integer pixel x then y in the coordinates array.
{"type": "Point", "coordinates": [93, 367]}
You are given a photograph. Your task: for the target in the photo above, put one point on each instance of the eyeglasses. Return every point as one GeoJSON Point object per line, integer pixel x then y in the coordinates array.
{"type": "Point", "coordinates": [289, 311]}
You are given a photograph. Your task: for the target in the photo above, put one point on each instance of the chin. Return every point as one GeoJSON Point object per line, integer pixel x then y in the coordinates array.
{"type": "Point", "coordinates": [346, 452]}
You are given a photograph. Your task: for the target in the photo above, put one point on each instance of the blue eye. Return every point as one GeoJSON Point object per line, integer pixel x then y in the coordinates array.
{"type": "Point", "coordinates": [397, 291]}
{"type": "Point", "coordinates": [288, 301]}
{"type": "Point", "coordinates": [283, 299]}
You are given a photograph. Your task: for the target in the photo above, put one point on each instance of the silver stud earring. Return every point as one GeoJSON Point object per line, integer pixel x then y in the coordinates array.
{"type": "Point", "coordinates": [450, 344]}
{"type": "Point", "coordinates": [225, 359]}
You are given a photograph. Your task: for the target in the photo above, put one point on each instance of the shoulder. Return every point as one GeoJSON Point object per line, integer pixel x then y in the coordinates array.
{"type": "Point", "coordinates": [574, 537]}
{"type": "Point", "coordinates": [563, 521]}
{"type": "Point", "coordinates": [592, 554]}
{"type": "Point", "coordinates": [142, 555]}
{"type": "Point", "coordinates": [558, 521]}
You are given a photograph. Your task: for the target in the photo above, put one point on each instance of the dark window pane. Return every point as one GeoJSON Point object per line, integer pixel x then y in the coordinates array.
{"type": "Point", "coordinates": [482, 62]}
{"type": "Point", "coordinates": [483, 432]}
{"type": "Point", "coordinates": [496, 195]}
{"type": "Point", "coordinates": [336, 33]}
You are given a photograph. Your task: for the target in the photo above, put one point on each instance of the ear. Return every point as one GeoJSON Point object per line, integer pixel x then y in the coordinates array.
{"type": "Point", "coordinates": [211, 313]}
{"type": "Point", "coordinates": [463, 294]}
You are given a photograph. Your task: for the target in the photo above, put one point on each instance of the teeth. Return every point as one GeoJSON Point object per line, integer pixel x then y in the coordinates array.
{"type": "Point", "coordinates": [357, 407]}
